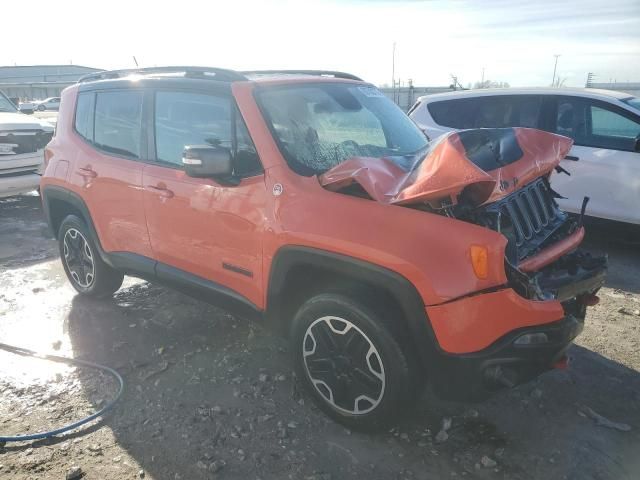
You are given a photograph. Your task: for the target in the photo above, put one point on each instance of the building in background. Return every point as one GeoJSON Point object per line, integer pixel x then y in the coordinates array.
{"type": "Point", "coordinates": [405, 97]}
{"type": "Point", "coordinates": [632, 88]}
{"type": "Point", "coordinates": [37, 82]}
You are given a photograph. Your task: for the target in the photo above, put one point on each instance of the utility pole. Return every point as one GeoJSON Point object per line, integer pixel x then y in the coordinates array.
{"type": "Point", "coordinates": [482, 81]}
{"type": "Point", "coordinates": [393, 71]}
{"type": "Point", "coordinates": [555, 66]}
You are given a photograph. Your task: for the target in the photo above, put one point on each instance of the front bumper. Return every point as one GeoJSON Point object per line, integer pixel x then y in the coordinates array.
{"type": "Point", "coordinates": [15, 185]}
{"type": "Point", "coordinates": [480, 340]}
{"type": "Point", "coordinates": [475, 376]}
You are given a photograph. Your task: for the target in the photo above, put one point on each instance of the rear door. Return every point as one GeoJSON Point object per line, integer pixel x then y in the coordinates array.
{"type": "Point", "coordinates": [201, 226]}
{"type": "Point", "coordinates": [603, 162]}
{"type": "Point", "coordinates": [107, 167]}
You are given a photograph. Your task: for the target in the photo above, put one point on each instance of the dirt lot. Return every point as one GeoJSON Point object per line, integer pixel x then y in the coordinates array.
{"type": "Point", "coordinates": [212, 396]}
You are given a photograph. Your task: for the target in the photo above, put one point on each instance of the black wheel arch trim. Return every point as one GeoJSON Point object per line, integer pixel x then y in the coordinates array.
{"type": "Point", "coordinates": [53, 192]}
{"type": "Point", "coordinates": [401, 289]}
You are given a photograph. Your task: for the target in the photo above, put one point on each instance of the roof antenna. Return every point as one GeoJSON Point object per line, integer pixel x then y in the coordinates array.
{"type": "Point", "coordinates": [135, 61]}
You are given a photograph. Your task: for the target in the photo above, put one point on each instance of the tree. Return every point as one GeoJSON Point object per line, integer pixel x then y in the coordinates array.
{"type": "Point", "coordinates": [559, 82]}
{"type": "Point", "coordinates": [491, 84]}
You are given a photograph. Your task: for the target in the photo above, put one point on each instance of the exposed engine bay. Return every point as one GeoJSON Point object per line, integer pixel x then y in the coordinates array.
{"type": "Point", "coordinates": [499, 179]}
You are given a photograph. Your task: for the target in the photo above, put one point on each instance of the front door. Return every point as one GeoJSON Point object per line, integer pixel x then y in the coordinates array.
{"type": "Point", "coordinates": [199, 225]}
{"type": "Point", "coordinates": [603, 162]}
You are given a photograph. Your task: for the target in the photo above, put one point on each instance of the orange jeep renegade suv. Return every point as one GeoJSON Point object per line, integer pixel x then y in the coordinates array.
{"type": "Point", "coordinates": [309, 199]}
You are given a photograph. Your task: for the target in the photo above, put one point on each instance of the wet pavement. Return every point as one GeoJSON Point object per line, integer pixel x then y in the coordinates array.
{"type": "Point", "coordinates": [209, 395]}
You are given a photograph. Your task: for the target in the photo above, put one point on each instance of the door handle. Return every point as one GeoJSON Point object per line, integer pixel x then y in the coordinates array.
{"type": "Point", "coordinates": [87, 172]}
{"type": "Point", "coordinates": [572, 158]}
{"type": "Point", "coordinates": [164, 192]}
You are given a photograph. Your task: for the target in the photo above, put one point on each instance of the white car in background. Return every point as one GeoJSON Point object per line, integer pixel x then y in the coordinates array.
{"type": "Point", "coordinates": [28, 107]}
{"type": "Point", "coordinates": [22, 142]}
{"type": "Point", "coordinates": [51, 103]}
{"type": "Point", "coordinates": [604, 161]}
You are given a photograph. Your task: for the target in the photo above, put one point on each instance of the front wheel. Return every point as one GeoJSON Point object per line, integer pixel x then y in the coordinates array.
{"type": "Point", "coordinates": [86, 271]}
{"type": "Point", "coordinates": [351, 364]}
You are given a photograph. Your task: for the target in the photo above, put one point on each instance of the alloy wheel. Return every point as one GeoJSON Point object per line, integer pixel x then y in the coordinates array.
{"type": "Point", "coordinates": [343, 365]}
{"type": "Point", "coordinates": [78, 258]}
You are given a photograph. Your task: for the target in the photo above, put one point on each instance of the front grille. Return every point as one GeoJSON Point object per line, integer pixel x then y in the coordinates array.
{"type": "Point", "coordinates": [528, 217]}
{"type": "Point", "coordinates": [26, 141]}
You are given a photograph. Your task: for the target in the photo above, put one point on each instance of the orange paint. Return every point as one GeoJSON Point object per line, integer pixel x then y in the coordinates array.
{"type": "Point", "coordinates": [197, 225]}
{"type": "Point", "coordinates": [473, 323]}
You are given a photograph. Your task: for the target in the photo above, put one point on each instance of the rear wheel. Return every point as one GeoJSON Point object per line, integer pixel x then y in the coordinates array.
{"type": "Point", "coordinates": [41, 108]}
{"type": "Point", "coordinates": [86, 271]}
{"type": "Point", "coordinates": [355, 369]}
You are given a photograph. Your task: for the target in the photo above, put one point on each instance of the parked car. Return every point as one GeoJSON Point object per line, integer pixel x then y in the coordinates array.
{"type": "Point", "coordinates": [308, 199]}
{"type": "Point", "coordinates": [22, 142]}
{"type": "Point", "coordinates": [51, 103]}
{"type": "Point", "coordinates": [604, 161]}
{"type": "Point", "coordinates": [27, 107]}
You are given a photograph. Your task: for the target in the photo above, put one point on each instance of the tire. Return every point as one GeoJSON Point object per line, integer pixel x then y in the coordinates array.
{"type": "Point", "coordinates": [355, 369]}
{"type": "Point", "coordinates": [86, 271]}
{"type": "Point", "coordinates": [41, 108]}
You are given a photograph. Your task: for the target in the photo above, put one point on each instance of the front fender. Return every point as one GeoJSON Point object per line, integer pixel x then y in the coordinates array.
{"type": "Point", "coordinates": [431, 251]}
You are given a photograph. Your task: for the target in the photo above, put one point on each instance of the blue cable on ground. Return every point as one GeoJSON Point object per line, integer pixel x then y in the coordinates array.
{"type": "Point", "coordinates": [72, 361]}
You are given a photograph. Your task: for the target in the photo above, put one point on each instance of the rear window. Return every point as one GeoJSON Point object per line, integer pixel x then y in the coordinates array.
{"type": "Point", "coordinates": [118, 119]}
{"type": "Point", "coordinates": [84, 115]}
{"type": "Point", "coordinates": [498, 111]}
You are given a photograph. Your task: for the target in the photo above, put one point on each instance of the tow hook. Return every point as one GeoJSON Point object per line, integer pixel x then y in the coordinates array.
{"type": "Point", "coordinates": [562, 364]}
{"type": "Point", "coordinates": [496, 375]}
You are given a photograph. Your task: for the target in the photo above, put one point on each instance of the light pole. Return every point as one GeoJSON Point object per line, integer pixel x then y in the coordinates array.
{"type": "Point", "coordinates": [555, 66]}
{"type": "Point", "coordinates": [393, 71]}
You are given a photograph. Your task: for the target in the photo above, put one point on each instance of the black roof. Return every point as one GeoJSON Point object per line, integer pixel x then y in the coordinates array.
{"type": "Point", "coordinates": [209, 73]}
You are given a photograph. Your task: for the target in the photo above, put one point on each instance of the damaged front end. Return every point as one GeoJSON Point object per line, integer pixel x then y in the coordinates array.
{"type": "Point", "coordinates": [499, 179]}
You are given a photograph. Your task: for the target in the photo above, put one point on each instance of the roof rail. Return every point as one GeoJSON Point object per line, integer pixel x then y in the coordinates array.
{"type": "Point", "coordinates": [210, 73]}
{"type": "Point", "coordinates": [320, 73]}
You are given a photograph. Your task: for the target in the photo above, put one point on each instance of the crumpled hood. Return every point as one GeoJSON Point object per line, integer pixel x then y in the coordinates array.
{"type": "Point", "coordinates": [483, 164]}
{"type": "Point", "coordinates": [20, 121]}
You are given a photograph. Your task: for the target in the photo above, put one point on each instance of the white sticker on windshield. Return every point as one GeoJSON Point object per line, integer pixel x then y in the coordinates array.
{"type": "Point", "coordinates": [371, 92]}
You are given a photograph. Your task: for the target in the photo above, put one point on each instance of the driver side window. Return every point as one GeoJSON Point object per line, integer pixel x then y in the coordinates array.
{"type": "Point", "coordinates": [595, 124]}
{"type": "Point", "coordinates": [613, 130]}
{"type": "Point", "coordinates": [189, 118]}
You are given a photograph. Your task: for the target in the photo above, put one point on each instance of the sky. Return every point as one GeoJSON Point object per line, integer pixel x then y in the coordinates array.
{"type": "Point", "coordinates": [514, 41]}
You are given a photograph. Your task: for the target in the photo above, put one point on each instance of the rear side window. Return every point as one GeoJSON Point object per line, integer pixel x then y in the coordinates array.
{"type": "Point", "coordinates": [118, 122]}
{"type": "Point", "coordinates": [185, 118]}
{"type": "Point", "coordinates": [453, 113]}
{"type": "Point", "coordinates": [84, 115]}
{"type": "Point", "coordinates": [500, 111]}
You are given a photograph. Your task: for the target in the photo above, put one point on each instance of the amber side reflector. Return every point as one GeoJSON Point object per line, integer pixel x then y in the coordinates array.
{"type": "Point", "coordinates": [480, 261]}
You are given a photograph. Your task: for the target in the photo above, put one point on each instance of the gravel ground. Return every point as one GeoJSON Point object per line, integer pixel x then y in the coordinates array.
{"type": "Point", "coordinates": [209, 395]}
